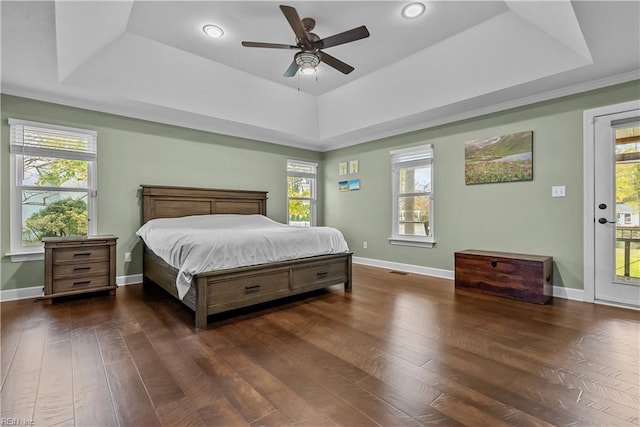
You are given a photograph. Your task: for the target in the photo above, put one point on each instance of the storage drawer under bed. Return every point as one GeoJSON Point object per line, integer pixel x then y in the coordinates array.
{"type": "Point", "coordinates": [254, 288]}
{"type": "Point", "coordinates": [319, 273]}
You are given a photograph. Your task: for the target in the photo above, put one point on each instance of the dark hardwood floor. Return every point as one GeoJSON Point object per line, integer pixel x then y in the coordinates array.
{"type": "Point", "coordinates": [399, 350]}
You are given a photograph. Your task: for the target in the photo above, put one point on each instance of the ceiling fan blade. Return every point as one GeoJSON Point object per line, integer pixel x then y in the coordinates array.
{"type": "Point", "coordinates": [335, 63]}
{"type": "Point", "coordinates": [341, 38]}
{"type": "Point", "coordinates": [296, 23]}
{"type": "Point", "coordinates": [292, 70]}
{"type": "Point", "coordinates": [269, 45]}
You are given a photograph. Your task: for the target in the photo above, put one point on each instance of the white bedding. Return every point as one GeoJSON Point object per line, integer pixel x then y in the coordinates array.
{"type": "Point", "coordinates": [199, 243]}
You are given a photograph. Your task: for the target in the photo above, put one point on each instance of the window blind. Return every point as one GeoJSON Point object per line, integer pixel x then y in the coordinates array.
{"type": "Point", "coordinates": [299, 168]}
{"type": "Point", "coordinates": [37, 139]}
{"type": "Point", "coordinates": [423, 152]}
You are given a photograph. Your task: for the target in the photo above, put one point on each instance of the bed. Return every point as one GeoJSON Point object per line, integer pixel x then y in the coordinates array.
{"type": "Point", "coordinates": [218, 291]}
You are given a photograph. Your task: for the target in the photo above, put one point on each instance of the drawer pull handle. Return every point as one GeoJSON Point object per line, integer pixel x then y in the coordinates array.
{"type": "Point", "coordinates": [322, 273]}
{"type": "Point", "coordinates": [494, 263]}
{"type": "Point", "coordinates": [84, 282]}
{"type": "Point", "coordinates": [82, 254]}
{"type": "Point", "coordinates": [81, 268]}
{"type": "Point", "coordinates": [252, 288]}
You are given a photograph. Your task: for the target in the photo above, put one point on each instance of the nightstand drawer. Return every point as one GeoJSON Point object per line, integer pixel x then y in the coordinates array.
{"type": "Point", "coordinates": [81, 254]}
{"type": "Point", "coordinates": [81, 269]}
{"type": "Point", "coordinates": [80, 283]}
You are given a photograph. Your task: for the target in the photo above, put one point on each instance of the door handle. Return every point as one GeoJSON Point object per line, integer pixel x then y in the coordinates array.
{"type": "Point", "coordinates": [605, 221]}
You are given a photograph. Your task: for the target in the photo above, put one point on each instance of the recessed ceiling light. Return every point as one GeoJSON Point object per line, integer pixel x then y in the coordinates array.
{"type": "Point", "coordinates": [413, 10]}
{"type": "Point", "coordinates": [213, 31]}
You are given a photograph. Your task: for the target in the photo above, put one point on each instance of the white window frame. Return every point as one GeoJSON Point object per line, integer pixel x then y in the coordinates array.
{"type": "Point", "coordinates": [314, 186]}
{"type": "Point", "coordinates": [400, 157]}
{"type": "Point", "coordinates": [20, 253]}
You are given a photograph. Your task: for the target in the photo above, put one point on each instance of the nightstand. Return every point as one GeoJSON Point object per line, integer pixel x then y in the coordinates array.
{"type": "Point", "coordinates": [78, 265]}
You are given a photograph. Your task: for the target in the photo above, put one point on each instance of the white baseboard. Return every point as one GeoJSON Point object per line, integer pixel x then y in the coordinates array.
{"type": "Point", "coordinates": [129, 280]}
{"type": "Point", "coordinates": [558, 291]}
{"type": "Point", "coordinates": [568, 293]}
{"type": "Point", "coordinates": [37, 291]}
{"type": "Point", "coordinates": [21, 293]}
{"type": "Point", "coordinates": [408, 268]}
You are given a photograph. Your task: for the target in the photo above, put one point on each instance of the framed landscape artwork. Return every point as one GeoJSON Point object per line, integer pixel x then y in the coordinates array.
{"type": "Point", "coordinates": [353, 166]}
{"type": "Point", "coordinates": [342, 168]}
{"type": "Point", "coordinates": [504, 158]}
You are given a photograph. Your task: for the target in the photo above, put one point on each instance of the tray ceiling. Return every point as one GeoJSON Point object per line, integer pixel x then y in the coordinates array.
{"type": "Point", "coordinates": [151, 60]}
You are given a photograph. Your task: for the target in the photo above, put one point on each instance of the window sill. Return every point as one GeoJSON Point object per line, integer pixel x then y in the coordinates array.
{"type": "Point", "coordinates": [26, 256]}
{"type": "Point", "coordinates": [407, 241]}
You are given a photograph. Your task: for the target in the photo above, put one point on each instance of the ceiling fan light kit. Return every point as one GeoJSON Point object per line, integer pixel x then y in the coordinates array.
{"type": "Point", "coordinates": [307, 62]}
{"type": "Point", "coordinates": [310, 45]}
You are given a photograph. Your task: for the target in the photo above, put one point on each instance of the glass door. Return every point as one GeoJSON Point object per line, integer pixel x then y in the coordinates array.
{"type": "Point", "coordinates": [617, 210]}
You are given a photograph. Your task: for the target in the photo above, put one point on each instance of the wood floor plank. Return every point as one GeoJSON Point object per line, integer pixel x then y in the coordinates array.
{"type": "Point", "coordinates": [132, 404]}
{"type": "Point", "coordinates": [398, 372]}
{"type": "Point", "coordinates": [18, 397]}
{"type": "Point", "coordinates": [339, 380]}
{"type": "Point", "coordinates": [297, 410]}
{"type": "Point", "coordinates": [280, 363]}
{"type": "Point", "coordinates": [113, 347]}
{"type": "Point", "coordinates": [273, 419]}
{"type": "Point", "coordinates": [13, 320]}
{"type": "Point", "coordinates": [157, 379]}
{"type": "Point", "coordinates": [197, 392]}
{"type": "Point", "coordinates": [19, 390]}
{"type": "Point", "coordinates": [244, 398]}
{"type": "Point", "coordinates": [204, 395]}
{"type": "Point", "coordinates": [179, 413]}
{"type": "Point", "coordinates": [398, 350]}
{"type": "Point", "coordinates": [54, 404]}
{"type": "Point", "coordinates": [92, 399]}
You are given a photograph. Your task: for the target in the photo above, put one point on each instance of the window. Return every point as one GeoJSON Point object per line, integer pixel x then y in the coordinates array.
{"type": "Point", "coordinates": [412, 172]}
{"type": "Point", "coordinates": [301, 193]}
{"type": "Point", "coordinates": [53, 185]}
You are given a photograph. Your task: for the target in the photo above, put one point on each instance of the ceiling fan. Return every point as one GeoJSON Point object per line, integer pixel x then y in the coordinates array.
{"type": "Point", "coordinates": [311, 46]}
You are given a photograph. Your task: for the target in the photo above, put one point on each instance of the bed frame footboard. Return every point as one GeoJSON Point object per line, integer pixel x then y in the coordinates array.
{"type": "Point", "coordinates": [224, 290]}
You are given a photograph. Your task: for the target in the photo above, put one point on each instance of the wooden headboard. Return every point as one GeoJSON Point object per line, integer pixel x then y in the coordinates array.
{"type": "Point", "coordinates": [171, 202]}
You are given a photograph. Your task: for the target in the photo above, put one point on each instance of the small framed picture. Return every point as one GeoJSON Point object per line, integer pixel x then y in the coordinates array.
{"type": "Point", "coordinates": [343, 186]}
{"type": "Point", "coordinates": [354, 184]}
{"type": "Point", "coordinates": [342, 168]}
{"type": "Point", "coordinates": [353, 166]}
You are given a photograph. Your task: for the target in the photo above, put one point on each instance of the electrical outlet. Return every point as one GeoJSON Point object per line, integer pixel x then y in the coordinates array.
{"type": "Point", "coordinates": [364, 245]}
{"type": "Point", "coordinates": [127, 257]}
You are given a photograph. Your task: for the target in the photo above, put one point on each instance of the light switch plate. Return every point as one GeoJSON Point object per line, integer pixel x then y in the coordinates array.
{"type": "Point", "coordinates": [558, 191]}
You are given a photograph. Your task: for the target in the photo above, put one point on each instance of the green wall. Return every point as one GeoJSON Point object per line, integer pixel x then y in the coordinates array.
{"type": "Point", "coordinates": [511, 217]}
{"type": "Point", "coordinates": [133, 152]}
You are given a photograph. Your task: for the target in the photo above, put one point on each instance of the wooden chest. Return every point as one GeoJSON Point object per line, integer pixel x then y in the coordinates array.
{"type": "Point", "coordinates": [523, 277]}
{"type": "Point", "coordinates": [77, 265]}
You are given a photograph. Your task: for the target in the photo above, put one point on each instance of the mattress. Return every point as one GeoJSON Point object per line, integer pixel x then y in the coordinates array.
{"type": "Point", "coordinates": [201, 243]}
